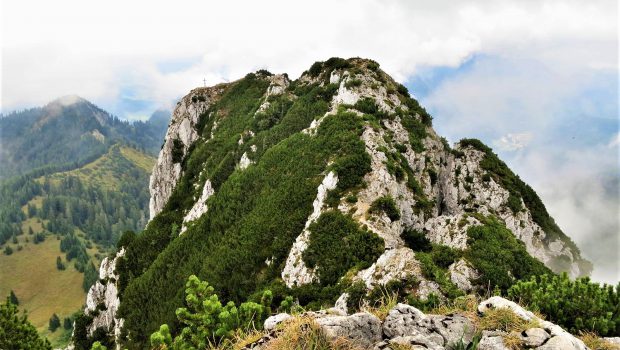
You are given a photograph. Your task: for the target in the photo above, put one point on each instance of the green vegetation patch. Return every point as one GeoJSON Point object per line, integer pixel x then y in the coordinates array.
{"type": "Point", "coordinates": [578, 306]}
{"type": "Point", "coordinates": [416, 130]}
{"type": "Point", "coordinates": [337, 243]}
{"type": "Point", "coordinates": [387, 205]}
{"type": "Point", "coordinates": [435, 264]}
{"type": "Point", "coordinates": [16, 332]}
{"type": "Point", "coordinates": [416, 240]}
{"type": "Point", "coordinates": [499, 256]}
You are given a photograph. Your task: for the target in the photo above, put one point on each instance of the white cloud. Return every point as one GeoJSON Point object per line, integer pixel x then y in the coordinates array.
{"type": "Point", "coordinates": [93, 48]}
{"type": "Point", "coordinates": [513, 142]}
{"type": "Point", "coordinates": [580, 188]}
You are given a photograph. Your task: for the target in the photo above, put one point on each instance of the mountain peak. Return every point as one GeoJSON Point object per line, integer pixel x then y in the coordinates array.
{"type": "Point", "coordinates": [69, 100]}
{"type": "Point", "coordinates": [333, 182]}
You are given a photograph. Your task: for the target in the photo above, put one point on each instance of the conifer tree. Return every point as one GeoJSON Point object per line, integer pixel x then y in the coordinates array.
{"type": "Point", "coordinates": [13, 298]}
{"type": "Point", "coordinates": [54, 323]}
{"type": "Point", "coordinates": [16, 332]}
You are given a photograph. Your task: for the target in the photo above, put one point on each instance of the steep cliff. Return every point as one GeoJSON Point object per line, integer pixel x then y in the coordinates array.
{"type": "Point", "coordinates": [316, 186]}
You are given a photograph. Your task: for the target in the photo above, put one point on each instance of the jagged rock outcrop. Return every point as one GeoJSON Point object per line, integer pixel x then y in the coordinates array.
{"type": "Point", "coordinates": [295, 272]}
{"type": "Point", "coordinates": [180, 136]}
{"type": "Point", "coordinates": [406, 325]}
{"type": "Point", "coordinates": [463, 275]}
{"type": "Point", "coordinates": [102, 300]}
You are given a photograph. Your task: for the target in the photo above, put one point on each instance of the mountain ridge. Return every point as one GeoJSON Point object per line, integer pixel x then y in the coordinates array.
{"type": "Point", "coordinates": [66, 130]}
{"type": "Point", "coordinates": [253, 171]}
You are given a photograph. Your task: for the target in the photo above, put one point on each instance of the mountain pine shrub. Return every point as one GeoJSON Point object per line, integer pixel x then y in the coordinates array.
{"type": "Point", "coordinates": [206, 321]}
{"type": "Point", "coordinates": [387, 205]}
{"type": "Point", "coordinates": [579, 305]}
{"type": "Point", "coordinates": [337, 243]}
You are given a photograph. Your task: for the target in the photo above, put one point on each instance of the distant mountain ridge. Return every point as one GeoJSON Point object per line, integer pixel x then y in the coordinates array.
{"type": "Point", "coordinates": [68, 130]}
{"type": "Point", "coordinates": [73, 178]}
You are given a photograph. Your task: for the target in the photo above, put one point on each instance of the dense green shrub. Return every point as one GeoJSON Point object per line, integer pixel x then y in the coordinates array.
{"type": "Point", "coordinates": [126, 238]}
{"type": "Point", "coordinates": [416, 240]}
{"type": "Point", "coordinates": [579, 305]}
{"type": "Point", "coordinates": [514, 203]}
{"type": "Point", "coordinates": [315, 69]}
{"type": "Point", "coordinates": [416, 130]}
{"type": "Point", "coordinates": [367, 105]}
{"type": "Point", "coordinates": [351, 83]}
{"type": "Point", "coordinates": [499, 256]}
{"type": "Point", "coordinates": [337, 63]}
{"type": "Point", "coordinates": [433, 272]}
{"type": "Point", "coordinates": [177, 151]}
{"type": "Point", "coordinates": [373, 66]}
{"type": "Point", "coordinates": [206, 320]}
{"type": "Point", "coordinates": [443, 256]}
{"type": "Point", "coordinates": [337, 244]}
{"type": "Point", "coordinates": [387, 205]}
{"type": "Point", "coordinates": [13, 298]}
{"type": "Point", "coordinates": [54, 323]}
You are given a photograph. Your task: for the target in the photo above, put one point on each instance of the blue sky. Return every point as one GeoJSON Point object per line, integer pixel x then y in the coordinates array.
{"type": "Point", "coordinates": [537, 80]}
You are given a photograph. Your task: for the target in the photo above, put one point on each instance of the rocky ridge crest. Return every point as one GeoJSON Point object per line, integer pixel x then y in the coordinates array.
{"type": "Point", "coordinates": [447, 192]}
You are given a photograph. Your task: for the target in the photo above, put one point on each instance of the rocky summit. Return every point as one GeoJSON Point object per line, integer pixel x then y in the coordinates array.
{"type": "Point", "coordinates": [326, 189]}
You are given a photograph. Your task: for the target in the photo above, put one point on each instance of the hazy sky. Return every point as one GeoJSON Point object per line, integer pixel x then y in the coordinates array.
{"type": "Point", "coordinates": [536, 80]}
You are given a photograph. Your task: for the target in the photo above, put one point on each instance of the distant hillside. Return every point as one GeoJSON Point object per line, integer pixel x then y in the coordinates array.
{"type": "Point", "coordinates": [69, 130]}
{"type": "Point", "coordinates": [75, 178]}
{"type": "Point", "coordinates": [71, 219]}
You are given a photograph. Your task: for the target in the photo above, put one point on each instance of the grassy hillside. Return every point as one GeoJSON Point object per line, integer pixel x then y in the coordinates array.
{"type": "Point", "coordinates": [111, 170]}
{"type": "Point", "coordinates": [41, 288]}
{"type": "Point", "coordinates": [63, 207]}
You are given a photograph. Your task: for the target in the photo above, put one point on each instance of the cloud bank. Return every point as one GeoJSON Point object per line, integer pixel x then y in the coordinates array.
{"type": "Point", "coordinates": [535, 79]}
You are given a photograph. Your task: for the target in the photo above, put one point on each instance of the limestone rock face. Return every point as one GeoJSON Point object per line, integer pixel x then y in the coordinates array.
{"type": "Point", "coordinates": [491, 341]}
{"type": "Point", "coordinates": [102, 300]}
{"type": "Point", "coordinates": [437, 330]}
{"type": "Point", "coordinates": [295, 272]}
{"type": "Point", "coordinates": [272, 321]}
{"type": "Point", "coordinates": [362, 328]}
{"type": "Point", "coordinates": [534, 337]}
{"type": "Point", "coordinates": [200, 207]}
{"type": "Point", "coordinates": [180, 136]}
{"type": "Point", "coordinates": [462, 275]}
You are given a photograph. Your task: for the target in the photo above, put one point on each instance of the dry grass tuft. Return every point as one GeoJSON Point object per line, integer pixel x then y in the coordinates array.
{"type": "Point", "coordinates": [302, 333]}
{"type": "Point", "coordinates": [383, 305]}
{"type": "Point", "coordinates": [241, 339]}
{"type": "Point", "coordinates": [466, 306]}
{"type": "Point", "coordinates": [513, 342]}
{"type": "Point", "coordinates": [594, 342]}
{"type": "Point", "coordinates": [506, 320]}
